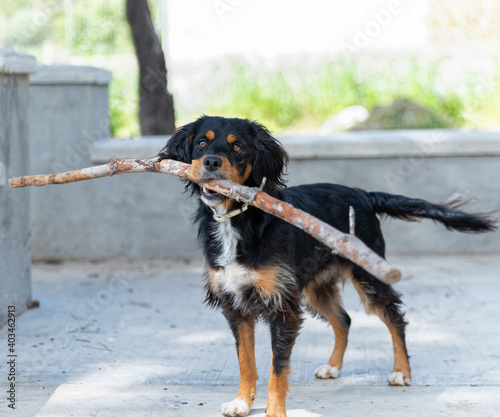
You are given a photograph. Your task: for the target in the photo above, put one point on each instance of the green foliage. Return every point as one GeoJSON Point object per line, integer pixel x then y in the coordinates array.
{"type": "Point", "coordinates": [96, 27]}
{"type": "Point", "coordinates": [100, 28]}
{"type": "Point", "coordinates": [24, 27]}
{"type": "Point", "coordinates": [483, 99]}
{"type": "Point", "coordinates": [301, 100]}
{"type": "Point", "coordinates": [124, 107]}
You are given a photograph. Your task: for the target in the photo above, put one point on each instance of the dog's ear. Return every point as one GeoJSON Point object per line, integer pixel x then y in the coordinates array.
{"type": "Point", "coordinates": [270, 160]}
{"type": "Point", "coordinates": [178, 146]}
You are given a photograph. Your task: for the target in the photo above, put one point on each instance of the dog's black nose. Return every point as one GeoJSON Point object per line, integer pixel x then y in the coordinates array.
{"type": "Point", "coordinates": [212, 163]}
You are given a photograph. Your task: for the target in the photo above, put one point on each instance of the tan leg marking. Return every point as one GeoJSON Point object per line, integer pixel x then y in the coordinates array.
{"type": "Point", "coordinates": [330, 308]}
{"type": "Point", "coordinates": [401, 374]}
{"type": "Point", "coordinates": [246, 357]}
{"type": "Point", "coordinates": [401, 363]}
{"type": "Point", "coordinates": [242, 404]}
{"type": "Point", "coordinates": [278, 390]}
{"type": "Point", "coordinates": [362, 296]}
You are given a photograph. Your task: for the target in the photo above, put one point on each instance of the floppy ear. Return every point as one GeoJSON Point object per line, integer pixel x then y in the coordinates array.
{"type": "Point", "coordinates": [178, 146]}
{"type": "Point", "coordinates": [270, 160]}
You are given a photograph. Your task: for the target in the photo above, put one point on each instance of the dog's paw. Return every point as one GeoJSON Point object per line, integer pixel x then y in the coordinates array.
{"type": "Point", "coordinates": [397, 379]}
{"type": "Point", "coordinates": [236, 408]}
{"type": "Point", "coordinates": [327, 371]}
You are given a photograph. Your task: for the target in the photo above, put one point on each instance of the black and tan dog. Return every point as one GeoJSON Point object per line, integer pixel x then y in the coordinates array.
{"type": "Point", "coordinates": [259, 267]}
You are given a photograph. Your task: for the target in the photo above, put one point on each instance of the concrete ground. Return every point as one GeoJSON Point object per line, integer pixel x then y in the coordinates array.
{"type": "Point", "coordinates": [134, 339]}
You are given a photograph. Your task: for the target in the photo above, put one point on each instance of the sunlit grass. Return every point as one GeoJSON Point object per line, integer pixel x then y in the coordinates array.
{"type": "Point", "coordinates": [299, 100]}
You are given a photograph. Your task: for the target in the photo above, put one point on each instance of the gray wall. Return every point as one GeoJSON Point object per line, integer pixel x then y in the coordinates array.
{"type": "Point", "coordinates": [15, 256]}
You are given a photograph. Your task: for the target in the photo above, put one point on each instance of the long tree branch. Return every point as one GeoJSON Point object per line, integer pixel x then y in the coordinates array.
{"type": "Point", "coordinates": [346, 245]}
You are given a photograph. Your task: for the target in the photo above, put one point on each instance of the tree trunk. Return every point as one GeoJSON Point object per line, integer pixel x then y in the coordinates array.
{"type": "Point", "coordinates": [156, 105]}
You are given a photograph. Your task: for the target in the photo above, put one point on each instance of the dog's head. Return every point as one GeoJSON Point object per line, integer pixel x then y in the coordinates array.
{"type": "Point", "coordinates": [228, 149]}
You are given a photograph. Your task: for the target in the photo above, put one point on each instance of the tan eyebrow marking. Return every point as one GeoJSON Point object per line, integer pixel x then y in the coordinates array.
{"type": "Point", "coordinates": [210, 135]}
{"type": "Point", "coordinates": [231, 138]}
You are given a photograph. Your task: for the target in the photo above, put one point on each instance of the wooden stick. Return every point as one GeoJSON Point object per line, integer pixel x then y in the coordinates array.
{"type": "Point", "coordinates": [346, 245]}
{"type": "Point", "coordinates": [352, 221]}
{"type": "Point", "coordinates": [113, 167]}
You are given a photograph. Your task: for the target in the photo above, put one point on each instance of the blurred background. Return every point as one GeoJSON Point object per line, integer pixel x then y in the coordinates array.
{"type": "Point", "coordinates": [116, 265]}
{"type": "Point", "coordinates": [291, 65]}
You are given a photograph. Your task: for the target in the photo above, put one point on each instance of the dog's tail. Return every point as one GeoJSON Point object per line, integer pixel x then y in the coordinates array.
{"type": "Point", "coordinates": [447, 213]}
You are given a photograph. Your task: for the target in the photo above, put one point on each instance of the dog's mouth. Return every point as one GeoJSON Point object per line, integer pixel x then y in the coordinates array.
{"type": "Point", "coordinates": [211, 197]}
{"type": "Point", "coordinates": [205, 192]}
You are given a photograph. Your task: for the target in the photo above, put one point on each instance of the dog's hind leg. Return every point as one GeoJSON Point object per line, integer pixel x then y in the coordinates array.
{"type": "Point", "coordinates": [326, 301]}
{"type": "Point", "coordinates": [385, 302]}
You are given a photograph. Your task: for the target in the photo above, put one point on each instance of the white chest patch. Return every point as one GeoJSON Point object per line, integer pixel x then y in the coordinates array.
{"type": "Point", "coordinates": [232, 276]}
{"type": "Point", "coordinates": [227, 238]}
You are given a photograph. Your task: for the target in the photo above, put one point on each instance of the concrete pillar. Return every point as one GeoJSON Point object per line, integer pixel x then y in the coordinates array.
{"type": "Point", "coordinates": [15, 253]}
{"type": "Point", "coordinates": [68, 113]}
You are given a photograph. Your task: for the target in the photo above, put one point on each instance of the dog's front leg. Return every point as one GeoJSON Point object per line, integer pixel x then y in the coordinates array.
{"type": "Point", "coordinates": [244, 334]}
{"type": "Point", "coordinates": [284, 330]}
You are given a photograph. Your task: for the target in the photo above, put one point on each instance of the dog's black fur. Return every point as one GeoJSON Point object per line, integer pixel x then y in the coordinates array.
{"type": "Point", "coordinates": [258, 266]}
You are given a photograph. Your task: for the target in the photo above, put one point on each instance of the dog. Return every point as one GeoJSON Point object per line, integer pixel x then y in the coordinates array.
{"type": "Point", "coordinates": [260, 267]}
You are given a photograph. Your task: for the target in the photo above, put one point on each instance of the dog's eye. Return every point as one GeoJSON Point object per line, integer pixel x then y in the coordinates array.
{"type": "Point", "coordinates": [236, 148]}
{"type": "Point", "coordinates": [202, 143]}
